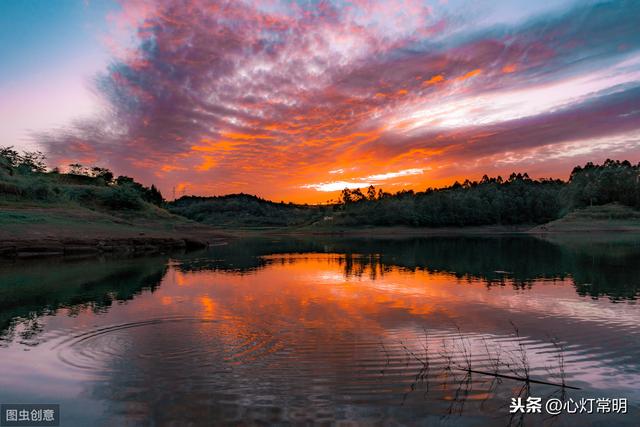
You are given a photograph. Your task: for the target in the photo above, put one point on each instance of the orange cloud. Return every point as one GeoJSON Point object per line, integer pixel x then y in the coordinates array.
{"type": "Point", "coordinates": [170, 168]}
{"type": "Point", "coordinates": [246, 136]}
{"type": "Point", "coordinates": [181, 187]}
{"type": "Point", "coordinates": [470, 74]}
{"type": "Point", "coordinates": [433, 80]}
{"type": "Point", "coordinates": [212, 147]}
{"type": "Point", "coordinates": [207, 163]}
{"type": "Point", "coordinates": [510, 68]}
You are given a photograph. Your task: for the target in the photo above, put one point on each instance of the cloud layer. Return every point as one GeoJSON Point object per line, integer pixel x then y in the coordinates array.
{"type": "Point", "coordinates": [291, 100]}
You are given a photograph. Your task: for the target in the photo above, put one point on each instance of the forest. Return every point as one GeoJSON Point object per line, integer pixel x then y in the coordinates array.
{"type": "Point", "coordinates": [515, 200]}
{"type": "Point", "coordinates": [246, 210]}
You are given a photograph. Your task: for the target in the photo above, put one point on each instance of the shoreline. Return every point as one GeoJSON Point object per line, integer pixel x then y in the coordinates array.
{"type": "Point", "coordinates": [31, 248]}
{"type": "Point", "coordinates": [43, 232]}
{"type": "Point", "coordinates": [39, 231]}
{"type": "Point", "coordinates": [197, 236]}
{"type": "Point", "coordinates": [407, 231]}
{"type": "Point", "coordinates": [549, 229]}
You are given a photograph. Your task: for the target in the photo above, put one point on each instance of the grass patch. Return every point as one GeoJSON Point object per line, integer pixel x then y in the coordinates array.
{"type": "Point", "coordinates": [612, 217]}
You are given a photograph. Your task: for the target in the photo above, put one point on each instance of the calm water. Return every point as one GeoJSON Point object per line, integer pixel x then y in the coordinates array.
{"type": "Point", "coordinates": [283, 331]}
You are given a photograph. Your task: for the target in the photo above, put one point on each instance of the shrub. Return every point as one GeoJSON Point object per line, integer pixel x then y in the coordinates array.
{"type": "Point", "coordinates": [81, 194]}
{"type": "Point", "coordinates": [120, 197]}
{"type": "Point", "coordinates": [39, 190]}
{"type": "Point", "coordinates": [7, 188]}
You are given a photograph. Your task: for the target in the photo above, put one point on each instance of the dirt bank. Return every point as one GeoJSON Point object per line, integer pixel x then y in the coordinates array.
{"type": "Point", "coordinates": [30, 232]}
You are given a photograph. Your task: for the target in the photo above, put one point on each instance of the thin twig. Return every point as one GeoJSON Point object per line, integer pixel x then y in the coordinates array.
{"type": "Point", "coordinates": [511, 377]}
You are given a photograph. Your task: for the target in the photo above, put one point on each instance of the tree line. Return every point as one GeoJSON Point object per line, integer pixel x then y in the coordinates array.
{"type": "Point", "coordinates": [518, 199]}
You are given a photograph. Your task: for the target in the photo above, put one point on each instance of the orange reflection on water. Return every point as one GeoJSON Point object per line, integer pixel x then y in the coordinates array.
{"type": "Point", "coordinates": [339, 326]}
{"type": "Point", "coordinates": [208, 306]}
{"type": "Point", "coordinates": [340, 293]}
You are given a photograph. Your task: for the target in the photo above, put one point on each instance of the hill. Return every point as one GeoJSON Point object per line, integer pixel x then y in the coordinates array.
{"type": "Point", "coordinates": [85, 211]}
{"type": "Point", "coordinates": [244, 210]}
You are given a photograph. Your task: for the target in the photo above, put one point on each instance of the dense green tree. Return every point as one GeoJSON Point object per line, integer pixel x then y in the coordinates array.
{"type": "Point", "coordinates": [32, 161]}
{"type": "Point", "coordinates": [102, 173]}
{"type": "Point", "coordinates": [371, 193]}
{"type": "Point", "coordinates": [78, 169]}
{"type": "Point", "coordinates": [345, 196]}
{"type": "Point", "coordinates": [613, 181]}
{"type": "Point", "coordinates": [149, 194]}
{"type": "Point", "coordinates": [27, 162]}
{"type": "Point", "coordinates": [10, 157]}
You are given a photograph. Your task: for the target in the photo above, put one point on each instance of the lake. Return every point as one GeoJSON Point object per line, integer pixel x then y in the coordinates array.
{"type": "Point", "coordinates": [282, 330]}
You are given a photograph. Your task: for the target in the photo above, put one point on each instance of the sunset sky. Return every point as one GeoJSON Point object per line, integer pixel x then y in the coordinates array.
{"type": "Point", "coordinates": [296, 100]}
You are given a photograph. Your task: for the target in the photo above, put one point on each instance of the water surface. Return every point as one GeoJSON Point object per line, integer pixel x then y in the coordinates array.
{"type": "Point", "coordinates": [297, 331]}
